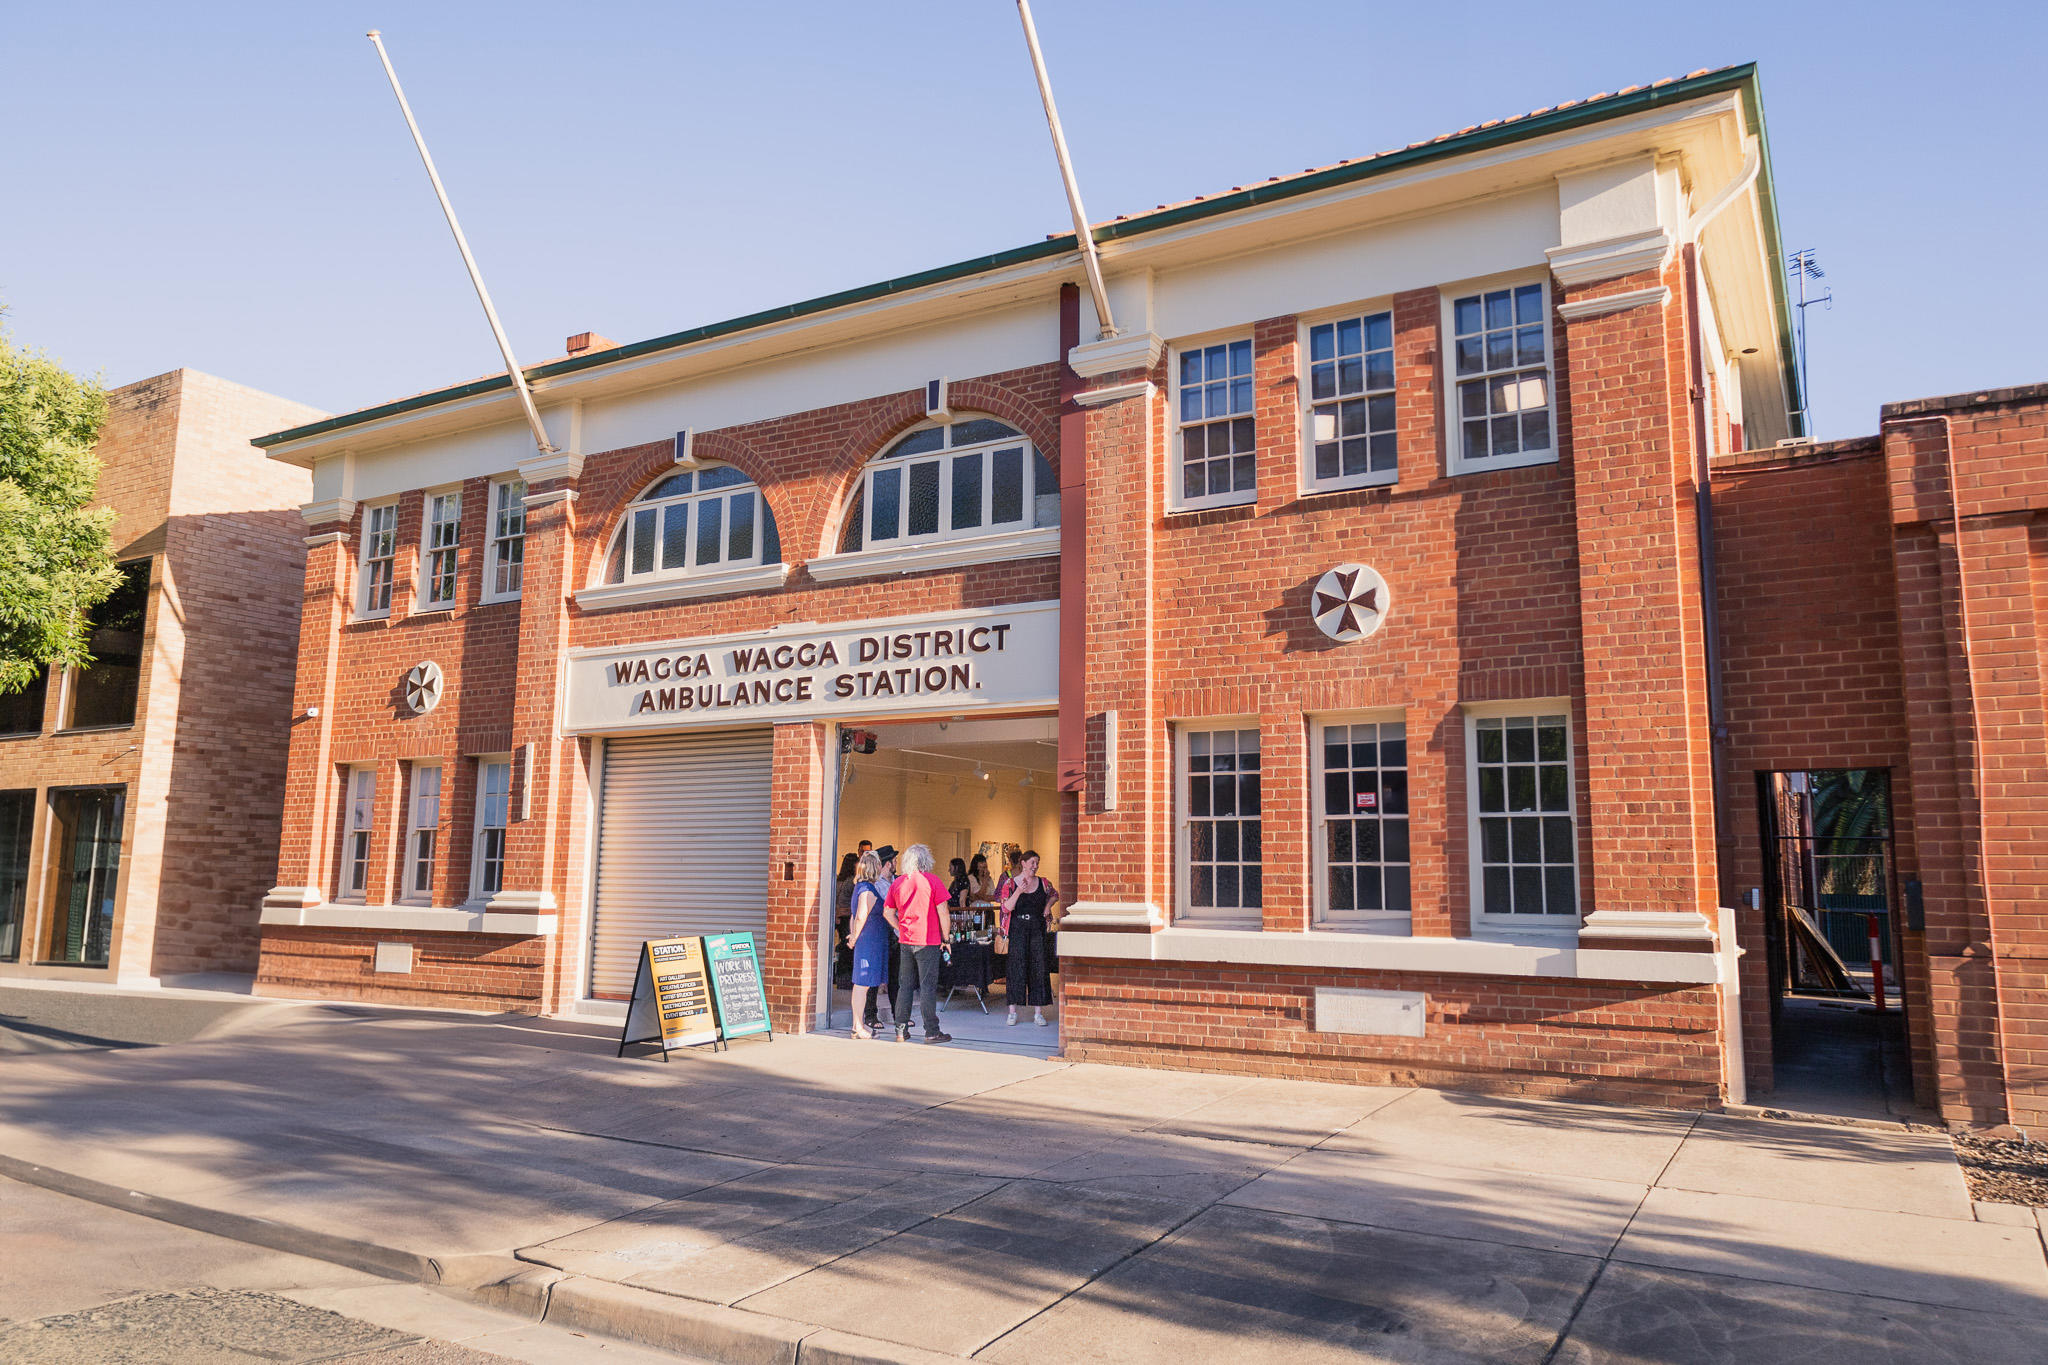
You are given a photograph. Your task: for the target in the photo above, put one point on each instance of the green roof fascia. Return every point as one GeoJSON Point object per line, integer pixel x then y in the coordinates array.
{"type": "Point", "coordinates": [1774, 245]}
{"type": "Point", "coordinates": [1742, 78]}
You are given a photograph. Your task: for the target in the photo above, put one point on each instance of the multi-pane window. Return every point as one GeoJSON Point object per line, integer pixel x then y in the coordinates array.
{"type": "Point", "coordinates": [1501, 340]}
{"type": "Point", "coordinates": [1527, 847]}
{"type": "Point", "coordinates": [1351, 393]}
{"type": "Point", "coordinates": [974, 477]}
{"type": "Point", "coordinates": [1218, 436]}
{"type": "Point", "coordinates": [103, 692]}
{"type": "Point", "coordinates": [506, 568]}
{"type": "Point", "coordinates": [1220, 786]}
{"type": "Point", "coordinates": [443, 532]}
{"type": "Point", "coordinates": [493, 806]}
{"type": "Point", "coordinates": [1363, 816]}
{"type": "Point", "coordinates": [360, 793]}
{"type": "Point", "coordinates": [380, 550]}
{"type": "Point", "coordinates": [694, 521]}
{"type": "Point", "coordinates": [425, 825]}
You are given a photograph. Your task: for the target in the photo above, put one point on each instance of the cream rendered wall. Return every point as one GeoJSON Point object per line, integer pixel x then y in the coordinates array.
{"type": "Point", "coordinates": [900, 809]}
{"type": "Point", "coordinates": [1510, 232]}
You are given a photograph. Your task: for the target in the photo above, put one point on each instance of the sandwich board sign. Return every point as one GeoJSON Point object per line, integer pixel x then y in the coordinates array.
{"type": "Point", "coordinates": [671, 1002]}
{"type": "Point", "coordinates": [736, 984]}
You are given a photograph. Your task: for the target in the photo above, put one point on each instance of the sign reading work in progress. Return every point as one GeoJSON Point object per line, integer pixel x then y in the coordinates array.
{"type": "Point", "coordinates": [736, 984]}
{"type": "Point", "coordinates": [671, 997]}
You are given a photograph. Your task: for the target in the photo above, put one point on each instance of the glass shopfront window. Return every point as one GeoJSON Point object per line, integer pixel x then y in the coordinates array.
{"type": "Point", "coordinates": [85, 860]}
{"type": "Point", "coordinates": [17, 822]}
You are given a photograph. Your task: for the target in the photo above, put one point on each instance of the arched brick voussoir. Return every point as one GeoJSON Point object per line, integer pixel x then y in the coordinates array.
{"type": "Point", "coordinates": [613, 480]}
{"type": "Point", "coordinates": [904, 411]}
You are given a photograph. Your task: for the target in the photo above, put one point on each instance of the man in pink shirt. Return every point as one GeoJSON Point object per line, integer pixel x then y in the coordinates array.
{"type": "Point", "coordinates": [916, 909]}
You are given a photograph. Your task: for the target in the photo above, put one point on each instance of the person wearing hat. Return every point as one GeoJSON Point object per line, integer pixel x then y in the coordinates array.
{"type": "Point", "coordinates": [867, 1007]}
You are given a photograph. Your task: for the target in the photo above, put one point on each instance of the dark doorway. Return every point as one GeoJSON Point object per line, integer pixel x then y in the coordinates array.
{"type": "Point", "coordinates": [1830, 923]}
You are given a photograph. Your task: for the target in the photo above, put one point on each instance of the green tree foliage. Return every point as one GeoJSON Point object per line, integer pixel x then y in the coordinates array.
{"type": "Point", "coordinates": [56, 560]}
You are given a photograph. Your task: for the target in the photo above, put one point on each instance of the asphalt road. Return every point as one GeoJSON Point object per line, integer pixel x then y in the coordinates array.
{"type": "Point", "coordinates": [44, 1020]}
{"type": "Point", "coordinates": [88, 1285]}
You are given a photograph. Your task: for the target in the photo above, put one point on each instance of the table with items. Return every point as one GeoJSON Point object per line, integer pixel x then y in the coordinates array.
{"type": "Point", "coordinates": [970, 955]}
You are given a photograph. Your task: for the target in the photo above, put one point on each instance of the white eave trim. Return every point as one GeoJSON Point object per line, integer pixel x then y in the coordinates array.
{"type": "Point", "coordinates": [1316, 950]}
{"type": "Point", "coordinates": [753, 578]}
{"type": "Point", "coordinates": [1613, 303]}
{"type": "Point", "coordinates": [401, 918]}
{"type": "Point", "coordinates": [1035, 543]}
{"type": "Point", "coordinates": [1591, 262]}
{"type": "Point", "coordinates": [326, 510]}
{"type": "Point", "coordinates": [1137, 351]}
{"type": "Point", "coordinates": [1114, 393]}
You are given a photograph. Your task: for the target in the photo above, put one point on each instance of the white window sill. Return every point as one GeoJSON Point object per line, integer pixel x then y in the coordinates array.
{"type": "Point", "coordinates": [1035, 543]}
{"type": "Point", "coordinates": [398, 918]}
{"type": "Point", "coordinates": [751, 578]}
{"type": "Point", "coordinates": [433, 608]}
{"type": "Point", "coordinates": [1316, 948]}
{"type": "Point", "coordinates": [1524, 460]}
{"type": "Point", "coordinates": [492, 601]}
{"type": "Point", "coordinates": [370, 616]}
{"type": "Point", "coordinates": [1179, 509]}
{"type": "Point", "coordinates": [1311, 490]}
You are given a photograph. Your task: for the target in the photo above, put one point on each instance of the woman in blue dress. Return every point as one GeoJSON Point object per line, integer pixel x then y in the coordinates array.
{"type": "Point", "coordinates": [869, 933]}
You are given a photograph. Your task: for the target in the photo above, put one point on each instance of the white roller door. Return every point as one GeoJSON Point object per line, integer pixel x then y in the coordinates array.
{"type": "Point", "coordinates": [682, 845]}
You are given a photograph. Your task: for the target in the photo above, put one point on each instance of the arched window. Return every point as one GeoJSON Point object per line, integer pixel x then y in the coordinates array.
{"type": "Point", "coordinates": [955, 481]}
{"type": "Point", "coordinates": [693, 521]}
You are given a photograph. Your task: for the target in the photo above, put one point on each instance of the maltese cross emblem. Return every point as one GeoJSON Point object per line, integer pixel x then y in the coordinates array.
{"type": "Point", "coordinates": [423, 688]}
{"type": "Point", "coordinates": [1349, 602]}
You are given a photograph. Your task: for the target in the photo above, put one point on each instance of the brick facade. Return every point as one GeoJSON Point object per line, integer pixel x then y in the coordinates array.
{"type": "Point", "coordinates": [1697, 617]}
{"type": "Point", "coordinates": [201, 768]}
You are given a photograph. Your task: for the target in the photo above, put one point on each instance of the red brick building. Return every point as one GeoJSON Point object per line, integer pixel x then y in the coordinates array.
{"type": "Point", "coordinates": [139, 797]}
{"type": "Point", "coordinates": [1380, 634]}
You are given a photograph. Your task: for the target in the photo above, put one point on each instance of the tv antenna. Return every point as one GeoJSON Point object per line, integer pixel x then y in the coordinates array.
{"type": "Point", "coordinates": [1804, 265]}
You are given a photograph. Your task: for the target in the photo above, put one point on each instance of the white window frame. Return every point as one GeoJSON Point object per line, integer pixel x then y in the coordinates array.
{"type": "Point", "coordinates": [359, 826]}
{"type": "Point", "coordinates": [478, 856]}
{"type": "Point", "coordinates": [1366, 921]}
{"type": "Point", "coordinates": [433, 548]}
{"type": "Point", "coordinates": [1484, 924]}
{"type": "Point", "coordinates": [863, 496]}
{"type": "Point", "coordinates": [1454, 427]}
{"type": "Point", "coordinates": [1358, 312]}
{"type": "Point", "coordinates": [1184, 911]}
{"type": "Point", "coordinates": [687, 504]}
{"type": "Point", "coordinates": [503, 504]}
{"type": "Point", "coordinates": [422, 841]}
{"type": "Point", "coordinates": [386, 512]}
{"type": "Point", "coordinates": [1176, 499]}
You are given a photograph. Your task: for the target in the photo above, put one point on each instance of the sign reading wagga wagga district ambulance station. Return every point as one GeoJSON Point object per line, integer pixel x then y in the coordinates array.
{"type": "Point", "coordinates": [961, 661]}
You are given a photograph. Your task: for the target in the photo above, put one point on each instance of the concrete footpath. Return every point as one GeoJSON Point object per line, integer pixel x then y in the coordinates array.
{"type": "Point", "coordinates": [821, 1200]}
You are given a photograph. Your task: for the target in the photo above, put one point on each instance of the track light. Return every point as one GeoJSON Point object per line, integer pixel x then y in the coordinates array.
{"type": "Point", "coordinates": [980, 773]}
{"type": "Point", "coordinates": [1024, 781]}
{"type": "Point", "coordinates": [991, 791]}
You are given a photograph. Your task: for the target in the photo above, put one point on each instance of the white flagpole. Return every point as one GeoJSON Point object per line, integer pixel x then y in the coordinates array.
{"type": "Point", "coordinates": [1091, 261]}
{"type": "Point", "coordinates": [540, 434]}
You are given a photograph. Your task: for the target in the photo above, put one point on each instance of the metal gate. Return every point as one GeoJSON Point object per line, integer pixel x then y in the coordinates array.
{"type": "Point", "coordinates": [1827, 863]}
{"type": "Point", "coordinates": [682, 845]}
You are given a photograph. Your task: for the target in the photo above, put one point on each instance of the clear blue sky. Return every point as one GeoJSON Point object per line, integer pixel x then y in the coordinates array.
{"type": "Point", "coordinates": [230, 187]}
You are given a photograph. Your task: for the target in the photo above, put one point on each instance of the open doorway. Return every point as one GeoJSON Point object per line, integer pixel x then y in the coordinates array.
{"type": "Point", "coordinates": [1830, 926]}
{"type": "Point", "coordinates": [963, 788]}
